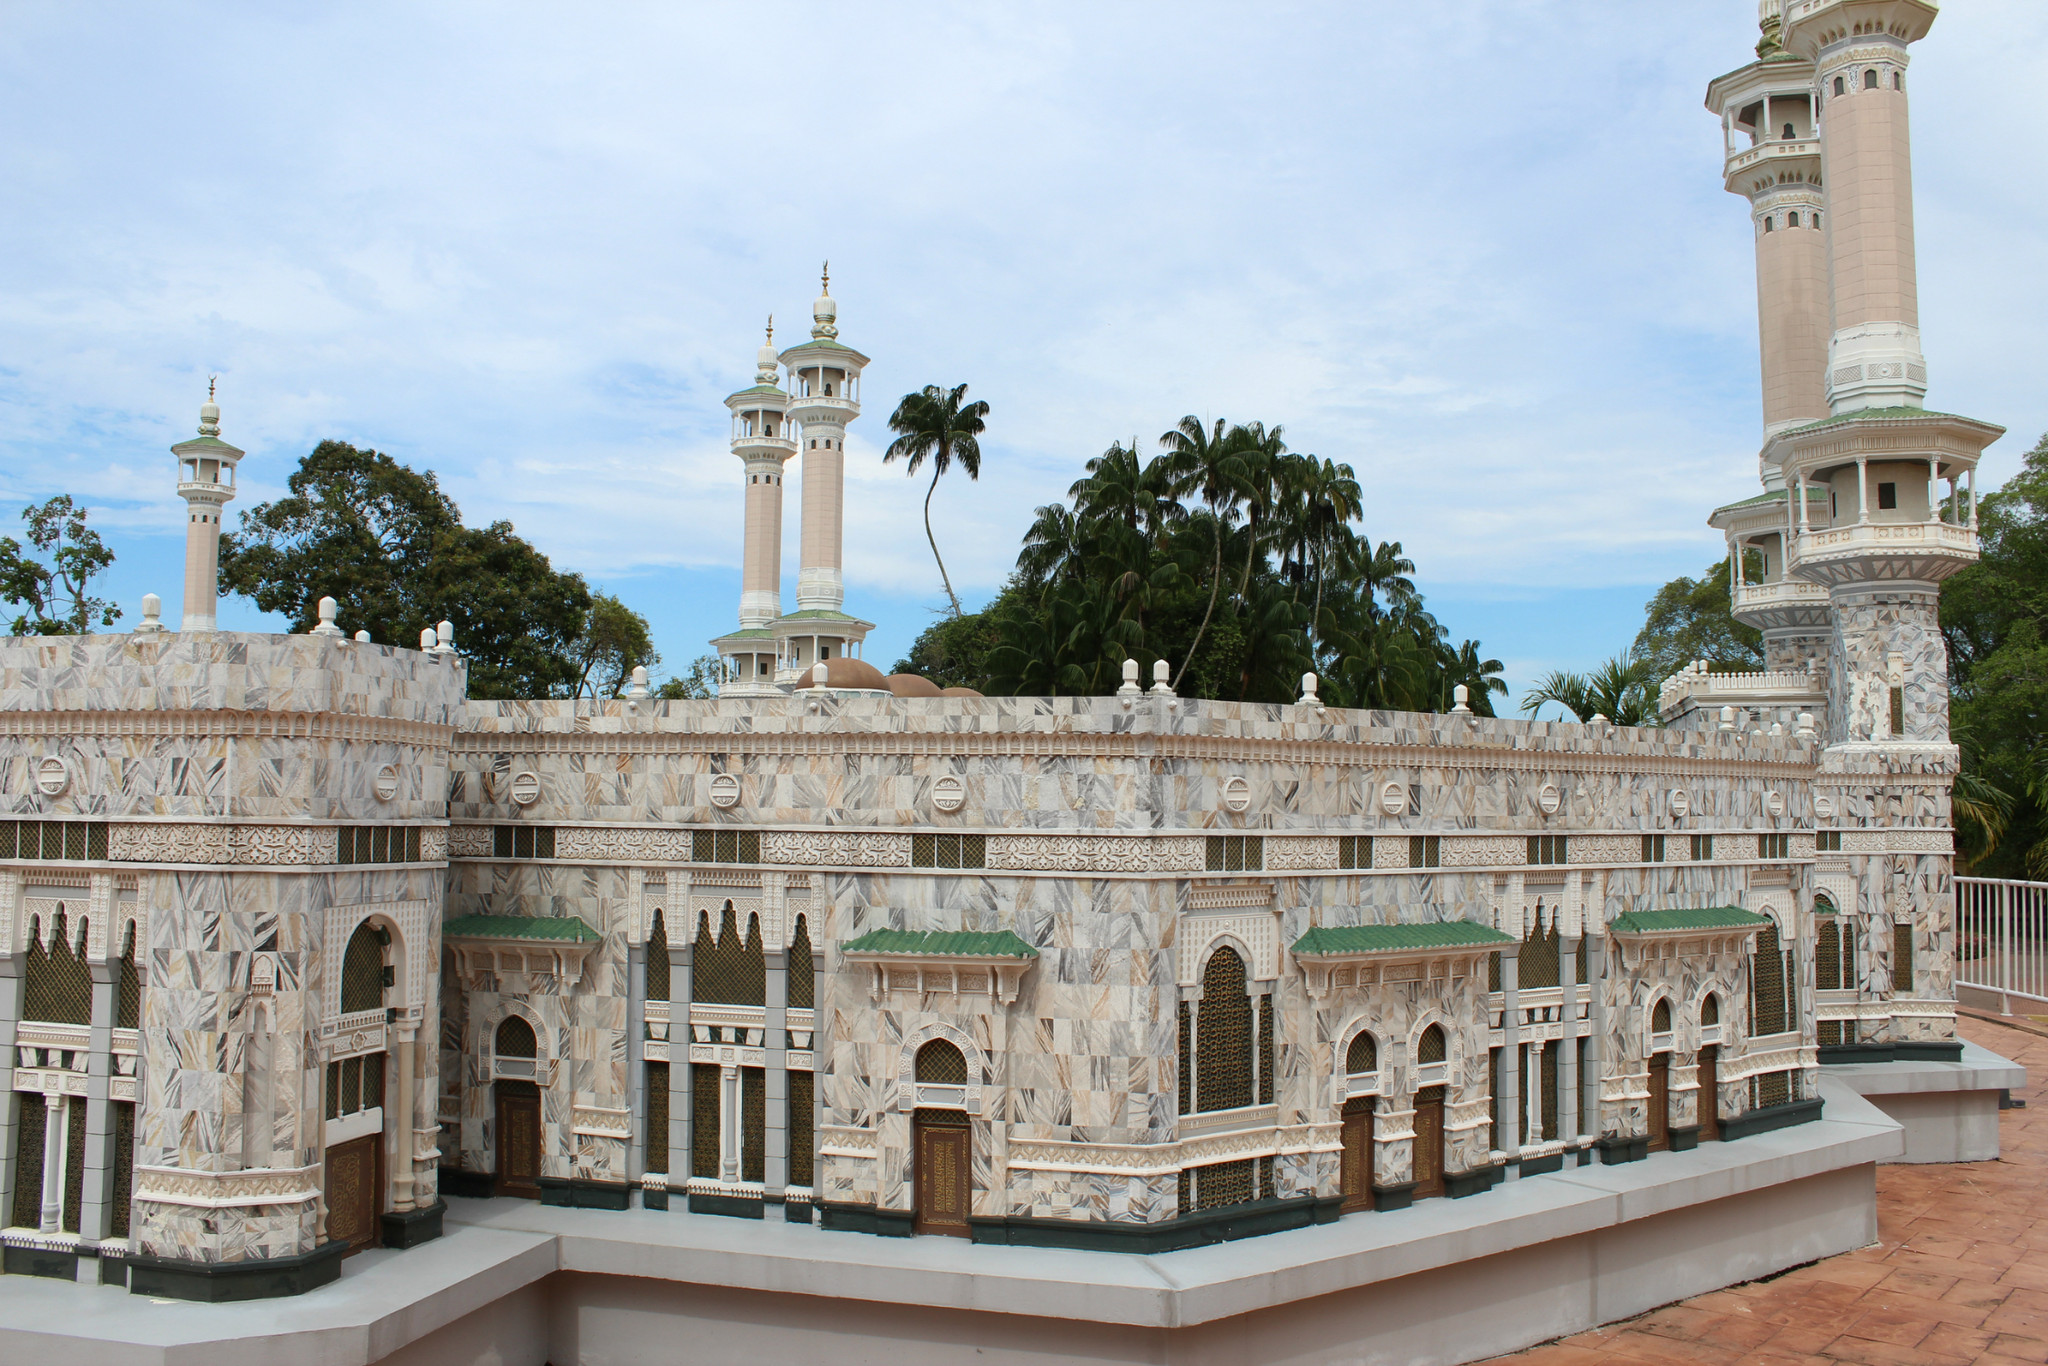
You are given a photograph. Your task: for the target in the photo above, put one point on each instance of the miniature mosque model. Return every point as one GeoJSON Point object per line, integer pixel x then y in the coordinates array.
{"type": "Point", "coordinates": [306, 947]}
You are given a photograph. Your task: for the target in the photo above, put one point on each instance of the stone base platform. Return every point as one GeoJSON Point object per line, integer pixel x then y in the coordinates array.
{"type": "Point", "coordinates": [1444, 1281]}
{"type": "Point", "coordinates": [1947, 1111]}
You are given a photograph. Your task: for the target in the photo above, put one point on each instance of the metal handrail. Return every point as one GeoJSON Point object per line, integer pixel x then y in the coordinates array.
{"type": "Point", "coordinates": [2002, 939]}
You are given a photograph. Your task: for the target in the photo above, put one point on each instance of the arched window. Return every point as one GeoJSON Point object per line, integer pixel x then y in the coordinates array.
{"type": "Point", "coordinates": [1767, 224]}
{"type": "Point", "coordinates": [128, 986]}
{"type": "Point", "coordinates": [657, 960]}
{"type": "Point", "coordinates": [515, 1039]}
{"type": "Point", "coordinates": [1827, 948]}
{"type": "Point", "coordinates": [362, 969]}
{"type": "Point", "coordinates": [1537, 964]}
{"type": "Point", "coordinates": [1788, 135]}
{"type": "Point", "coordinates": [940, 1063]}
{"type": "Point", "coordinates": [803, 973]}
{"type": "Point", "coordinates": [1223, 1035]}
{"type": "Point", "coordinates": [1870, 79]}
{"type": "Point", "coordinates": [1898, 80]}
{"type": "Point", "coordinates": [1660, 1016]}
{"type": "Point", "coordinates": [1710, 1010]}
{"type": "Point", "coordinates": [1363, 1055]}
{"type": "Point", "coordinates": [1791, 221]}
{"type": "Point", "coordinates": [1430, 1047]}
{"type": "Point", "coordinates": [1840, 87]}
{"type": "Point", "coordinates": [727, 969]}
{"type": "Point", "coordinates": [58, 985]}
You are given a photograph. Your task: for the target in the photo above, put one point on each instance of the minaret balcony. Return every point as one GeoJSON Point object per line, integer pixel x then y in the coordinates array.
{"type": "Point", "coordinates": [1787, 602]}
{"type": "Point", "coordinates": [1925, 552]}
{"type": "Point", "coordinates": [818, 408]}
{"type": "Point", "coordinates": [773, 447]}
{"type": "Point", "coordinates": [1772, 150]}
{"type": "Point", "coordinates": [205, 491]}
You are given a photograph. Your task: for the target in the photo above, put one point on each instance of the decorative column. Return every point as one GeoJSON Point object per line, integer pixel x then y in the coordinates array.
{"type": "Point", "coordinates": [775, 1039]}
{"type": "Point", "coordinates": [56, 1110]}
{"type": "Point", "coordinates": [1508, 1087]}
{"type": "Point", "coordinates": [639, 923]}
{"type": "Point", "coordinates": [1593, 1118]}
{"type": "Point", "coordinates": [408, 1108]}
{"type": "Point", "coordinates": [1568, 1040]}
{"type": "Point", "coordinates": [97, 1187]}
{"type": "Point", "coordinates": [206, 481]}
{"type": "Point", "coordinates": [682, 936]}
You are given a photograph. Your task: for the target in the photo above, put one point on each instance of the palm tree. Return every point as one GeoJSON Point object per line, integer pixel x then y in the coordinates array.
{"type": "Point", "coordinates": [1619, 690]}
{"type": "Point", "coordinates": [1259, 456]}
{"type": "Point", "coordinates": [933, 422]}
{"type": "Point", "coordinates": [1481, 677]}
{"type": "Point", "coordinates": [1330, 502]}
{"type": "Point", "coordinates": [1206, 462]}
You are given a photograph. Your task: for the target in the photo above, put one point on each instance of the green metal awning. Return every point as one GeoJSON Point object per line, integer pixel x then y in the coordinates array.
{"type": "Point", "coordinates": [1730, 918]}
{"type": "Point", "coordinates": [1417, 937]}
{"type": "Point", "coordinates": [940, 944]}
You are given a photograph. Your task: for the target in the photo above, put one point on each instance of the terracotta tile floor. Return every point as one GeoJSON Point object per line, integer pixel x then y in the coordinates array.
{"type": "Point", "coordinates": [1961, 1274]}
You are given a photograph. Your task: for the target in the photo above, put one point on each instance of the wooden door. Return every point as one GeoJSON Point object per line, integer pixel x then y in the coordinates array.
{"type": "Point", "coordinates": [1710, 1094]}
{"type": "Point", "coordinates": [1660, 1102]}
{"type": "Point", "coordinates": [518, 1140]}
{"type": "Point", "coordinates": [941, 1155]}
{"type": "Point", "coordinates": [353, 1180]}
{"type": "Point", "coordinates": [1357, 1139]}
{"type": "Point", "coordinates": [1429, 1143]}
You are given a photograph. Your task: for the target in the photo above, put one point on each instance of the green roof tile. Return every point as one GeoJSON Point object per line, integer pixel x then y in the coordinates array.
{"type": "Point", "coordinates": [1427, 934]}
{"type": "Point", "coordinates": [1862, 413]}
{"type": "Point", "coordinates": [548, 927]}
{"type": "Point", "coordinates": [1705, 918]}
{"type": "Point", "coordinates": [942, 944]}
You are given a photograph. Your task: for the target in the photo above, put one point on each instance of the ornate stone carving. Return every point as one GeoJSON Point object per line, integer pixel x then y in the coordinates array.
{"type": "Point", "coordinates": [525, 787]}
{"type": "Point", "coordinates": [835, 848]}
{"type": "Point", "coordinates": [224, 1190]}
{"type": "Point", "coordinates": [1256, 934]}
{"type": "Point", "coordinates": [52, 776]}
{"type": "Point", "coordinates": [475, 841]}
{"type": "Point", "coordinates": [1095, 853]}
{"type": "Point", "coordinates": [620, 844]}
{"type": "Point", "coordinates": [600, 1122]}
{"type": "Point", "coordinates": [725, 791]}
{"type": "Point", "coordinates": [250, 845]}
{"type": "Point", "coordinates": [1604, 849]}
{"type": "Point", "coordinates": [949, 793]}
{"type": "Point", "coordinates": [1307, 852]}
{"type": "Point", "coordinates": [1483, 851]}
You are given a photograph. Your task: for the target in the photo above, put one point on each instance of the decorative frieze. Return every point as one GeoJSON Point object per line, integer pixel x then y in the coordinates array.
{"type": "Point", "coordinates": [228, 1190]}
{"type": "Point", "coordinates": [597, 1121]}
{"type": "Point", "coordinates": [112, 724]}
{"type": "Point", "coordinates": [1284, 854]}
{"type": "Point", "coordinates": [1484, 851]}
{"type": "Point", "coordinates": [242, 845]}
{"type": "Point", "coordinates": [835, 849]}
{"type": "Point", "coordinates": [617, 844]}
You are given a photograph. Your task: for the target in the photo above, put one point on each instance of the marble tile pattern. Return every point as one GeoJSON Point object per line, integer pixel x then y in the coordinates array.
{"type": "Point", "coordinates": [1108, 804]}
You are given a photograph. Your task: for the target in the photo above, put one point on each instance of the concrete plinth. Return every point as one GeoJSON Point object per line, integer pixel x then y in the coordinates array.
{"type": "Point", "coordinates": [1946, 1111]}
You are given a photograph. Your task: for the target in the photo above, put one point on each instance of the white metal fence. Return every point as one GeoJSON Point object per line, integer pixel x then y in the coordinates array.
{"type": "Point", "coordinates": [2001, 943]}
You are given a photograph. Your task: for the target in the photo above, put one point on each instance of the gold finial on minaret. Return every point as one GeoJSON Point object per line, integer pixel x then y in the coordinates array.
{"type": "Point", "coordinates": [209, 387]}
{"type": "Point", "coordinates": [825, 278]}
{"type": "Point", "coordinates": [771, 329]}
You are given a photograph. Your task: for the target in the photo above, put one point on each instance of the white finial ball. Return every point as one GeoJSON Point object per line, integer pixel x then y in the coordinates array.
{"type": "Point", "coordinates": [446, 632]}
{"type": "Point", "coordinates": [328, 607]}
{"type": "Point", "coordinates": [427, 638]}
{"type": "Point", "coordinates": [152, 605]}
{"type": "Point", "coordinates": [362, 637]}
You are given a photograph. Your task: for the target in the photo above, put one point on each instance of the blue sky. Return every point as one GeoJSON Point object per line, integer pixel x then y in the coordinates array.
{"type": "Point", "coordinates": [1478, 250]}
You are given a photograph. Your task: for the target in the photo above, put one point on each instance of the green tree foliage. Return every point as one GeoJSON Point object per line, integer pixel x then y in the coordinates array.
{"type": "Point", "coordinates": [1692, 619]}
{"type": "Point", "coordinates": [1230, 557]}
{"type": "Point", "coordinates": [614, 641]}
{"type": "Point", "coordinates": [1624, 690]}
{"type": "Point", "coordinates": [1994, 616]}
{"type": "Point", "coordinates": [934, 422]}
{"type": "Point", "coordinates": [698, 682]}
{"type": "Point", "coordinates": [56, 596]}
{"type": "Point", "coordinates": [389, 546]}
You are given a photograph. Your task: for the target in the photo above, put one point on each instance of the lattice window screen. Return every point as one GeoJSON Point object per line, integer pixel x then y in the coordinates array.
{"type": "Point", "coordinates": [1768, 982]}
{"type": "Point", "coordinates": [1902, 960]}
{"type": "Point", "coordinates": [1493, 1096]}
{"type": "Point", "coordinates": [657, 964]}
{"type": "Point", "coordinates": [801, 1143]}
{"type": "Point", "coordinates": [657, 1116]}
{"type": "Point", "coordinates": [717, 971]}
{"type": "Point", "coordinates": [754, 966]}
{"type": "Point", "coordinates": [803, 972]}
{"type": "Point", "coordinates": [1550, 1091]}
{"type": "Point", "coordinates": [704, 1122]}
{"type": "Point", "coordinates": [1363, 1055]}
{"type": "Point", "coordinates": [516, 1039]}
{"type": "Point", "coordinates": [1266, 1050]}
{"type": "Point", "coordinates": [1538, 958]}
{"type": "Point", "coordinates": [28, 1161]}
{"type": "Point", "coordinates": [1771, 1088]}
{"type": "Point", "coordinates": [123, 1193]}
{"type": "Point", "coordinates": [74, 1165]}
{"type": "Point", "coordinates": [1267, 1189]}
{"type": "Point", "coordinates": [128, 988]}
{"type": "Point", "coordinates": [753, 1123]}
{"type": "Point", "coordinates": [1827, 955]}
{"type": "Point", "coordinates": [1187, 1060]}
{"type": "Point", "coordinates": [1660, 1016]}
{"type": "Point", "coordinates": [1430, 1047]}
{"type": "Point", "coordinates": [58, 989]}
{"type": "Point", "coordinates": [1710, 1010]}
{"type": "Point", "coordinates": [940, 1063]}
{"type": "Point", "coordinates": [362, 971]}
{"type": "Point", "coordinates": [1223, 1035]}
{"type": "Point", "coordinates": [1226, 1183]}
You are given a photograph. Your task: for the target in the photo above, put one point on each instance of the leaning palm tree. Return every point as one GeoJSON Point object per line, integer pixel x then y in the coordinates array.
{"type": "Point", "coordinates": [934, 422]}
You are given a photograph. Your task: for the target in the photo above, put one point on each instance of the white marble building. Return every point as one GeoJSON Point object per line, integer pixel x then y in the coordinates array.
{"type": "Point", "coordinates": [302, 941]}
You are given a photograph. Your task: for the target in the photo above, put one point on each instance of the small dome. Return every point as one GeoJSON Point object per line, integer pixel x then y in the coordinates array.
{"type": "Point", "coordinates": [958, 692]}
{"type": "Point", "coordinates": [912, 685]}
{"type": "Point", "coordinates": [851, 673]}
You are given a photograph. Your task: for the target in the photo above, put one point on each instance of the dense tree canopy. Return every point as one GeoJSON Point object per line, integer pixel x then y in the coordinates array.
{"type": "Point", "coordinates": [389, 546]}
{"type": "Point", "coordinates": [1232, 558]}
{"type": "Point", "coordinates": [1692, 619]}
{"type": "Point", "coordinates": [1995, 618]}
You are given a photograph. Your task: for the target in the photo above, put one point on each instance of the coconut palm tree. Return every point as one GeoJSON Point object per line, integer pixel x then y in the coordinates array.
{"type": "Point", "coordinates": [1206, 461]}
{"type": "Point", "coordinates": [934, 422]}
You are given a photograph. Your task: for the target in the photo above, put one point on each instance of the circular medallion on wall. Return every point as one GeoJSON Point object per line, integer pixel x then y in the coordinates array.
{"type": "Point", "coordinates": [52, 776]}
{"type": "Point", "coordinates": [1774, 803]}
{"type": "Point", "coordinates": [1393, 799]}
{"type": "Point", "coordinates": [725, 791]}
{"type": "Point", "coordinates": [1237, 794]}
{"type": "Point", "coordinates": [526, 788]}
{"type": "Point", "coordinates": [387, 782]}
{"type": "Point", "coordinates": [1680, 803]}
{"type": "Point", "coordinates": [949, 793]}
{"type": "Point", "coordinates": [1550, 799]}
{"type": "Point", "coordinates": [1824, 807]}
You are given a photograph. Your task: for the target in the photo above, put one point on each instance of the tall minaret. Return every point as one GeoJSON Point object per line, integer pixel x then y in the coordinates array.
{"type": "Point", "coordinates": [206, 481]}
{"type": "Point", "coordinates": [824, 383]}
{"type": "Point", "coordinates": [763, 438]}
{"type": "Point", "coordinates": [1772, 158]}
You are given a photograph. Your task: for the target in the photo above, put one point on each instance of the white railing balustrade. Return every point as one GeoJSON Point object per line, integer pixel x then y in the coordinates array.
{"type": "Point", "coordinates": [2001, 943]}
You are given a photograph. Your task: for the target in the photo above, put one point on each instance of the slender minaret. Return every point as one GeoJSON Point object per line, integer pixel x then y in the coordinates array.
{"type": "Point", "coordinates": [763, 438]}
{"type": "Point", "coordinates": [824, 383]}
{"type": "Point", "coordinates": [1773, 159]}
{"type": "Point", "coordinates": [206, 481]}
